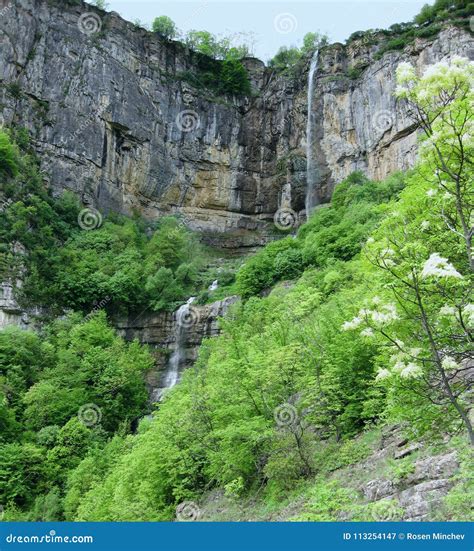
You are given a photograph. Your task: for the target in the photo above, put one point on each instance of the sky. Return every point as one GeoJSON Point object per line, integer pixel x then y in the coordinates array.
{"type": "Point", "coordinates": [274, 23]}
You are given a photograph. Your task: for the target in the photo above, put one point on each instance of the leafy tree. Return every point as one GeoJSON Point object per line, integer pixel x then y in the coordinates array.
{"type": "Point", "coordinates": [285, 57]}
{"type": "Point", "coordinates": [22, 473]}
{"type": "Point", "coordinates": [440, 102]}
{"type": "Point", "coordinates": [205, 43]}
{"type": "Point", "coordinates": [8, 156]}
{"type": "Point", "coordinates": [423, 253]}
{"type": "Point", "coordinates": [165, 27]}
{"type": "Point", "coordinates": [234, 77]}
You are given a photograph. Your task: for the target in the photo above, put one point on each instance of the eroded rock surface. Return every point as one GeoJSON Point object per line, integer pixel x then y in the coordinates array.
{"type": "Point", "coordinates": [109, 113]}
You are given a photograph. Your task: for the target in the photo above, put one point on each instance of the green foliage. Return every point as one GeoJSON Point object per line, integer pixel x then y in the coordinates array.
{"type": "Point", "coordinates": [457, 505]}
{"type": "Point", "coordinates": [220, 66]}
{"type": "Point", "coordinates": [285, 57]}
{"type": "Point", "coordinates": [441, 10]}
{"type": "Point", "coordinates": [165, 27]}
{"type": "Point", "coordinates": [279, 260]}
{"type": "Point", "coordinates": [292, 60]}
{"type": "Point", "coordinates": [22, 473]}
{"type": "Point", "coordinates": [328, 501]}
{"type": "Point", "coordinates": [426, 24]}
{"type": "Point", "coordinates": [117, 265]}
{"type": "Point", "coordinates": [8, 156]}
{"type": "Point", "coordinates": [335, 232]}
{"type": "Point", "coordinates": [93, 366]}
{"type": "Point", "coordinates": [337, 455]}
{"type": "Point", "coordinates": [384, 510]}
{"type": "Point", "coordinates": [65, 394]}
{"type": "Point", "coordinates": [234, 77]}
{"type": "Point", "coordinates": [400, 468]}
{"type": "Point", "coordinates": [215, 47]}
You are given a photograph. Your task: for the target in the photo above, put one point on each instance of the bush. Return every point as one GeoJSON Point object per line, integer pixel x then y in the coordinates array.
{"type": "Point", "coordinates": [328, 501]}
{"type": "Point", "coordinates": [8, 156]}
{"type": "Point", "coordinates": [234, 79]}
{"type": "Point", "coordinates": [279, 260]}
{"type": "Point", "coordinates": [165, 27]}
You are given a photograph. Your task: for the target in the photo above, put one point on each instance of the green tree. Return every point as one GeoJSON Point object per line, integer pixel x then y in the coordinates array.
{"type": "Point", "coordinates": [165, 27]}
{"type": "Point", "coordinates": [424, 258]}
{"type": "Point", "coordinates": [8, 156]}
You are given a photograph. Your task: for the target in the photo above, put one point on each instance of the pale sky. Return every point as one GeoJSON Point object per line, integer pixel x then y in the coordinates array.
{"type": "Point", "coordinates": [275, 22]}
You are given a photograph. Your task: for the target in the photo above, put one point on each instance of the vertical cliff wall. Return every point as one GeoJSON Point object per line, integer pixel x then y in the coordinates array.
{"type": "Point", "coordinates": [115, 119]}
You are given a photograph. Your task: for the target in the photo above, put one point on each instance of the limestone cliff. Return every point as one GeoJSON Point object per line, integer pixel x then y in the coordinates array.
{"type": "Point", "coordinates": [115, 119]}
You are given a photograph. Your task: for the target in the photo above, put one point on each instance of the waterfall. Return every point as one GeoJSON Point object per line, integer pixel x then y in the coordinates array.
{"type": "Point", "coordinates": [214, 285]}
{"type": "Point", "coordinates": [311, 168]}
{"type": "Point", "coordinates": [178, 357]}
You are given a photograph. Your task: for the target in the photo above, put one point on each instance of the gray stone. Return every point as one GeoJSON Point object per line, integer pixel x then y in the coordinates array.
{"type": "Point", "coordinates": [158, 330]}
{"type": "Point", "coordinates": [404, 452]}
{"type": "Point", "coordinates": [420, 499]}
{"type": "Point", "coordinates": [437, 467]}
{"type": "Point", "coordinates": [106, 114]}
{"type": "Point", "coordinates": [377, 489]}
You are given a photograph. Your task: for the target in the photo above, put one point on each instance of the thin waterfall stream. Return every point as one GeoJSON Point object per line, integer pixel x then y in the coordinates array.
{"type": "Point", "coordinates": [311, 166]}
{"type": "Point", "coordinates": [178, 357]}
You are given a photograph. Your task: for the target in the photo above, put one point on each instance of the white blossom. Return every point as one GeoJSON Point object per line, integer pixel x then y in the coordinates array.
{"type": "Point", "coordinates": [386, 314]}
{"type": "Point", "coordinates": [353, 324]}
{"type": "Point", "coordinates": [447, 311]}
{"type": "Point", "coordinates": [367, 332]}
{"type": "Point", "coordinates": [405, 72]}
{"type": "Point", "coordinates": [382, 374]}
{"type": "Point", "coordinates": [449, 364]}
{"type": "Point", "coordinates": [431, 192]}
{"type": "Point", "coordinates": [399, 366]}
{"type": "Point", "coordinates": [468, 313]}
{"type": "Point", "coordinates": [425, 225]}
{"type": "Point", "coordinates": [411, 370]}
{"type": "Point", "coordinates": [438, 266]}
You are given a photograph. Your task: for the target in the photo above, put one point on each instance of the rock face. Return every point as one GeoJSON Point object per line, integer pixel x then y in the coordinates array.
{"type": "Point", "coordinates": [418, 494]}
{"type": "Point", "coordinates": [115, 119]}
{"type": "Point", "coordinates": [159, 331]}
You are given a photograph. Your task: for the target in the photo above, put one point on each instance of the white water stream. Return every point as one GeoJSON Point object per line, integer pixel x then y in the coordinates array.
{"type": "Point", "coordinates": [311, 165]}
{"type": "Point", "coordinates": [178, 357]}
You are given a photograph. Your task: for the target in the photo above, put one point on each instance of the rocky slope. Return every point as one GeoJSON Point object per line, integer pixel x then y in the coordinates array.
{"type": "Point", "coordinates": [397, 480]}
{"type": "Point", "coordinates": [115, 119]}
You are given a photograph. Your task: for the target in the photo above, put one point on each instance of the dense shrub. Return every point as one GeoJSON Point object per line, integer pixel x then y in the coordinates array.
{"type": "Point", "coordinates": [165, 27]}
{"type": "Point", "coordinates": [335, 232]}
